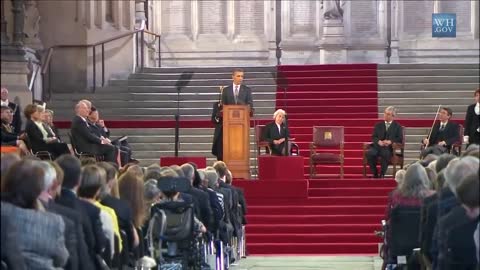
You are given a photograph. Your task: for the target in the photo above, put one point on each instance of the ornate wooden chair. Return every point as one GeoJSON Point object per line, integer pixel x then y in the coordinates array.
{"type": "Point", "coordinates": [326, 139]}
{"type": "Point", "coordinates": [397, 157]}
{"type": "Point", "coordinates": [456, 147]}
{"type": "Point", "coordinates": [261, 143]}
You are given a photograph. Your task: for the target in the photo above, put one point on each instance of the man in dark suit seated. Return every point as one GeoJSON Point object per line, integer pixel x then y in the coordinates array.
{"type": "Point", "coordinates": [385, 134]}
{"type": "Point", "coordinates": [9, 136]}
{"type": "Point", "coordinates": [86, 140]}
{"type": "Point", "coordinates": [443, 134]}
{"type": "Point", "coordinates": [97, 126]}
{"type": "Point", "coordinates": [275, 133]}
{"type": "Point", "coordinates": [472, 126]}
{"type": "Point", "coordinates": [17, 119]}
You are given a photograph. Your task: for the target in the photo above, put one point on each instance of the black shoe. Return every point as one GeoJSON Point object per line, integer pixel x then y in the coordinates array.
{"type": "Point", "coordinates": [133, 161]}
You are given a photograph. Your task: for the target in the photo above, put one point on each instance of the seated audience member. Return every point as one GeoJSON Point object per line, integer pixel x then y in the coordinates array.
{"type": "Point", "coordinates": [15, 108]}
{"type": "Point", "coordinates": [92, 178]}
{"type": "Point", "coordinates": [121, 207]}
{"type": "Point", "coordinates": [131, 189]}
{"type": "Point", "coordinates": [39, 136]}
{"type": "Point", "coordinates": [385, 134]}
{"type": "Point", "coordinates": [48, 120]}
{"type": "Point", "coordinates": [7, 161]}
{"type": "Point", "coordinates": [174, 196]}
{"type": "Point", "coordinates": [98, 127]}
{"type": "Point", "coordinates": [472, 127]}
{"type": "Point", "coordinates": [275, 133]}
{"type": "Point", "coordinates": [468, 195]}
{"type": "Point", "coordinates": [68, 198]}
{"type": "Point", "coordinates": [203, 210]}
{"type": "Point", "coordinates": [443, 134]}
{"type": "Point", "coordinates": [241, 198]}
{"type": "Point", "coordinates": [10, 251]}
{"type": "Point", "coordinates": [10, 137]}
{"type": "Point", "coordinates": [43, 245]}
{"type": "Point", "coordinates": [455, 173]}
{"type": "Point", "coordinates": [74, 236]}
{"type": "Point", "coordinates": [85, 140]}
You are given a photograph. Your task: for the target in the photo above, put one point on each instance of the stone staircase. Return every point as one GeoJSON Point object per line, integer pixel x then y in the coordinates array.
{"type": "Point", "coordinates": [418, 89]}
{"type": "Point", "coordinates": [415, 89]}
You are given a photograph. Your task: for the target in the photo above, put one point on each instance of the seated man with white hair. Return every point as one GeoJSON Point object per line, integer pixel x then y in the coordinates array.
{"type": "Point", "coordinates": [385, 134]}
{"type": "Point", "coordinates": [276, 132]}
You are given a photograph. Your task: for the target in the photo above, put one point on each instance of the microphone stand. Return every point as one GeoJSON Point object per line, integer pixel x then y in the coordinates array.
{"type": "Point", "coordinates": [177, 123]}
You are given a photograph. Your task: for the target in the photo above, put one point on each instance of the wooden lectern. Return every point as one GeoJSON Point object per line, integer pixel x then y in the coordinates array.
{"type": "Point", "coordinates": [236, 139]}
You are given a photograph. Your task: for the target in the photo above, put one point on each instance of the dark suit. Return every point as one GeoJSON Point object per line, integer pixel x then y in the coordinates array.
{"type": "Point", "coordinates": [37, 143]}
{"type": "Point", "coordinates": [125, 151]}
{"type": "Point", "coordinates": [472, 125]}
{"type": "Point", "coordinates": [244, 96]}
{"type": "Point", "coordinates": [380, 133]}
{"type": "Point", "coordinates": [9, 137]}
{"type": "Point", "coordinates": [272, 133]}
{"type": "Point", "coordinates": [217, 146]}
{"type": "Point", "coordinates": [449, 134]}
{"type": "Point", "coordinates": [88, 142]}
{"type": "Point", "coordinates": [17, 119]}
{"type": "Point", "coordinates": [203, 210]}
{"type": "Point", "coordinates": [10, 252]}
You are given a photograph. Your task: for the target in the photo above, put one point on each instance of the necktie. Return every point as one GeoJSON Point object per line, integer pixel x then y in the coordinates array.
{"type": "Point", "coordinates": [236, 94]}
{"type": "Point", "coordinates": [387, 125]}
{"type": "Point", "coordinates": [442, 127]}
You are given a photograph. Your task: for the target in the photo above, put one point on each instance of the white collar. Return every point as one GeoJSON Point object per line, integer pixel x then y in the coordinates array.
{"type": "Point", "coordinates": [444, 123]}
{"type": "Point", "coordinates": [5, 102]}
{"type": "Point", "coordinates": [235, 85]}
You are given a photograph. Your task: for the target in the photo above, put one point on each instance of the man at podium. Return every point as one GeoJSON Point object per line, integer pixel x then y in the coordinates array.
{"type": "Point", "coordinates": [234, 94]}
{"type": "Point", "coordinates": [237, 93]}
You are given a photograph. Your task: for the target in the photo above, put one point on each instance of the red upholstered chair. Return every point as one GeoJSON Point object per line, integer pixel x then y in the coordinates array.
{"type": "Point", "coordinates": [261, 143]}
{"type": "Point", "coordinates": [396, 160]}
{"type": "Point", "coordinates": [323, 149]}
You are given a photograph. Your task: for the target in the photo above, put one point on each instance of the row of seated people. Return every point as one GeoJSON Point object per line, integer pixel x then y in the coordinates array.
{"type": "Point", "coordinates": [432, 217]}
{"type": "Point", "coordinates": [102, 212]}
{"type": "Point", "coordinates": [41, 137]}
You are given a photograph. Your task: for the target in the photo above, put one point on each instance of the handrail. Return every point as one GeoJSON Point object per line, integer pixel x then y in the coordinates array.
{"type": "Point", "coordinates": [45, 65]}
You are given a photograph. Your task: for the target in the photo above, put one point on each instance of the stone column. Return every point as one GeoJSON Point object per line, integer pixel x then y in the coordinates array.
{"type": "Point", "coordinates": [332, 46]}
{"type": "Point", "coordinates": [3, 27]}
{"type": "Point", "coordinates": [31, 24]}
{"type": "Point", "coordinates": [18, 10]}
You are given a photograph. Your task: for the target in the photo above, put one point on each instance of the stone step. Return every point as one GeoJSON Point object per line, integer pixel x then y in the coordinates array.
{"type": "Point", "coordinates": [426, 94]}
{"type": "Point", "coordinates": [428, 72]}
{"type": "Point", "coordinates": [187, 89]}
{"type": "Point", "coordinates": [427, 66]}
{"type": "Point", "coordinates": [207, 82]}
{"type": "Point", "coordinates": [426, 79]}
{"type": "Point", "coordinates": [435, 100]}
{"type": "Point", "coordinates": [207, 69]}
{"type": "Point", "coordinates": [202, 75]}
{"type": "Point", "coordinates": [432, 86]}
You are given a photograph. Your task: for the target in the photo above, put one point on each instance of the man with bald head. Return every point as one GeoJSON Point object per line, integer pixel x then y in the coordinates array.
{"type": "Point", "coordinates": [85, 140]}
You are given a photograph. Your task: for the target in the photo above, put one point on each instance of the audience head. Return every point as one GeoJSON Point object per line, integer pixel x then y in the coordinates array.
{"type": "Point", "coordinates": [415, 183]}
{"type": "Point", "coordinates": [31, 112]}
{"type": "Point", "coordinates": [229, 177]}
{"type": "Point", "coordinates": [188, 171]}
{"type": "Point", "coordinates": [428, 159]}
{"type": "Point", "coordinates": [445, 114]}
{"type": "Point", "coordinates": [153, 171]}
{"type": "Point", "coordinates": [93, 116]}
{"type": "Point", "coordinates": [440, 181]}
{"type": "Point", "coordinates": [221, 169]}
{"type": "Point", "coordinates": [82, 110]}
{"type": "Point", "coordinates": [389, 113]}
{"type": "Point", "coordinates": [71, 168]}
{"type": "Point", "coordinates": [468, 195]}
{"type": "Point", "coordinates": [443, 161]}
{"type": "Point", "coordinates": [211, 178]}
{"type": "Point", "coordinates": [92, 179]}
{"type": "Point", "coordinates": [457, 169]}
{"type": "Point", "coordinates": [168, 171]}
{"type": "Point", "coordinates": [58, 179]}
{"type": "Point", "coordinates": [48, 117]}
{"type": "Point", "coordinates": [202, 179]}
{"type": "Point", "coordinates": [472, 150]}
{"type": "Point", "coordinates": [477, 95]}
{"type": "Point", "coordinates": [50, 175]}
{"type": "Point", "coordinates": [178, 170]}
{"type": "Point", "coordinates": [400, 176]}
{"type": "Point", "coordinates": [6, 115]}
{"type": "Point", "coordinates": [7, 161]}
{"type": "Point", "coordinates": [131, 189]}
{"type": "Point", "coordinates": [88, 103]}
{"type": "Point", "coordinates": [152, 193]}
{"type": "Point", "coordinates": [23, 184]}
{"type": "Point", "coordinates": [279, 116]}
{"type": "Point", "coordinates": [4, 95]}
{"type": "Point", "coordinates": [110, 176]}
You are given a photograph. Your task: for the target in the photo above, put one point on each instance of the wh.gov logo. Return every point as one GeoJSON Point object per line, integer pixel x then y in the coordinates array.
{"type": "Point", "coordinates": [444, 25]}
